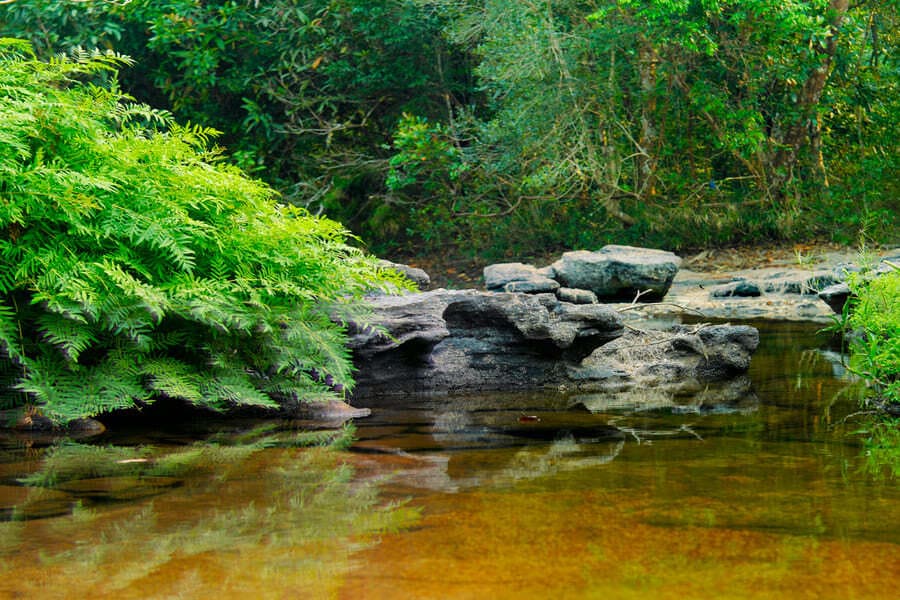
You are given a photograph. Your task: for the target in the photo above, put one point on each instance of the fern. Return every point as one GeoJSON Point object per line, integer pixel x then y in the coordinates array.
{"type": "Point", "coordinates": [137, 264]}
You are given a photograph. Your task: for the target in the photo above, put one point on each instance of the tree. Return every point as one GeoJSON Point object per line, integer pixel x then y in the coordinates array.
{"type": "Point", "coordinates": [305, 93]}
{"type": "Point", "coordinates": [137, 264]}
{"type": "Point", "coordinates": [686, 116]}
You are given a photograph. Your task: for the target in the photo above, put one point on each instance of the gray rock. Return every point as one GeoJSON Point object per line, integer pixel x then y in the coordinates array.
{"type": "Point", "coordinates": [329, 411]}
{"type": "Point", "coordinates": [836, 296]}
{"type": "Point", "coordinates": [576, 296]}
{"type": "Point", "coordinates": [418, 276]}
{"type": "Point", "coordinates": [538, 285]}
{"type": "Point", "coordinates": [619, 272]}
{"type": "Point", "coordinates": [800, 284]}
{"type": "Point", "coordinates": [742, 289]}
{"type": "Point", "coordinates": [465, 341]}
{"type": "Point", "coordinates": [663, 359]}
{"type": "Point", "coordinates": [468, 340]}
{"type": "Point", "coordinates": [517, 277]}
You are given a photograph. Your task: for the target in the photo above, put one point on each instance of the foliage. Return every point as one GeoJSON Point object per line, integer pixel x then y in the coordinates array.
{"type": "Point", "coordinates": [548, 124]}
{"type": "Point", "coordinates": [137, 264]}
{"type": "Point", "coordinates": [679, 123]}
{"type": "Point", "coordinates": [305, 92]}
{"type": "Point", "coordinates": [874, 313]}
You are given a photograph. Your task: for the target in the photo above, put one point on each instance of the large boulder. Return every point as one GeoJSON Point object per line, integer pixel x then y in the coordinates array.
{"type": "Point", "coordinates": [681, 358]}
{"type": "Point", "coordinates": [416, 275]}
{"type": "Point", "coordinates": [619, 272]}
{"type": "Point", "coordinates": [467, 341]}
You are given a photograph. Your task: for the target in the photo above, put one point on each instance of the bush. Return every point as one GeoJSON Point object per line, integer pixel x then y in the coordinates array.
{"type": "Point", "coordinates": [876, 353]}
{"type": "Point", "coordinates": [136, 264]}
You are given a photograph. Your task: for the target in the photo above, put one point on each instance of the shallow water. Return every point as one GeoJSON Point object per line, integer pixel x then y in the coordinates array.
{"type": "Point", "coordinates": [766, 496]}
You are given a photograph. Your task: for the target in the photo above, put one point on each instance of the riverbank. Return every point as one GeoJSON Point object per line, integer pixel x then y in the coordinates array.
{"type": "Point", "coordinates": [781, 275]}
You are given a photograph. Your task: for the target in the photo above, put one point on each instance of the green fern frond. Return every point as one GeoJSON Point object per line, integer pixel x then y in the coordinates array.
{"type": "Point", "coordinates": [10, 335]}
{"type": "Point", "coordinates": [234, 389]}
{"type": "Point", "coordinates": [143, 265]}
{"type": "Point", "coordinates": [71, 336]}
{"type": "Point", "coordinates": [174, 379]}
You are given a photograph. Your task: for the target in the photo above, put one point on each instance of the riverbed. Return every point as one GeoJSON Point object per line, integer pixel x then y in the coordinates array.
{"type": "Point", "coordinates": [769, 495]}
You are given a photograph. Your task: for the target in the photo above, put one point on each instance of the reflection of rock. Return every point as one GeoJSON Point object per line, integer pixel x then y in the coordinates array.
{"type": "Point", "coordinates": [119, 488]}
{"type": "Point", "coordinates": [563, 455]}
{"type": "Point", "coordinates": [732, 396]}
{"type": "Point", "coordinates": [33, 503]}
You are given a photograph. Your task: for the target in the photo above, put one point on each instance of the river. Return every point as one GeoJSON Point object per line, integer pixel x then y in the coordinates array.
{"type": "Point", "coordinates": [528, 496]}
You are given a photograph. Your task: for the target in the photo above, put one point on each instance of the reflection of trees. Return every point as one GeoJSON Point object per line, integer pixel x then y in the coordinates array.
{"type": "Point", "coordinates": [260, 520]}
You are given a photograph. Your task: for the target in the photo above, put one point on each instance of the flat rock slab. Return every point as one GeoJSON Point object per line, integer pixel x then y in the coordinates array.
{"type": "Point", "coordinates": [782, 287]}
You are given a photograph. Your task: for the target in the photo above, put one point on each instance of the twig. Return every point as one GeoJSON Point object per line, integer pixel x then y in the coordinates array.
{"type": "Point", "coordinates": [633, 306]}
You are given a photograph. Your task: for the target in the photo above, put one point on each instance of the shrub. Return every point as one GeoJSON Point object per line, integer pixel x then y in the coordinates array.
{"type": "Point", "coordinates": [137, 264]}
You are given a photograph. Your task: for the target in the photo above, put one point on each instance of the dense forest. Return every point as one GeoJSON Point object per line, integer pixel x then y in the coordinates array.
{"type": "Point", "coordinates": [515, 126]}
{"type": "Point", "coordinates": [189, 247]}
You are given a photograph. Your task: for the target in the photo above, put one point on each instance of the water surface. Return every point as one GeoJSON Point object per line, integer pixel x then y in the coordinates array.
{"type": "Point", "coordinates": [529, 496]}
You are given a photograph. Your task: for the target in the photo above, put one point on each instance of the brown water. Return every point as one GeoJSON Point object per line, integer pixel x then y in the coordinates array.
{"type": "Point", "coordinates": [764, 497]}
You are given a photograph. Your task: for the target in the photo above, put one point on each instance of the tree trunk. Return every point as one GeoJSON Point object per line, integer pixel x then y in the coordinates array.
{"type": "Point", "coordinates": [648, 59]}
{"type": "Point", "coordinates": [806, 129]}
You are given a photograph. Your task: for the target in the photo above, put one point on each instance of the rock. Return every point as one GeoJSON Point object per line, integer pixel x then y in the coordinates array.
{"type": "Point", "coordinates": [469, 340]}
{"type": "Point", "coordinates": [40, 429]}
{"type": "Point", "coordinates": [419, 277]}
{"type": "Point", "coordinates": [677, 359]}
{"type": "Point", "coordinates": [534, 286]}
{"type": "Point", "coordinates": [576, 296]}
{"type": "Point", "coordinates": [466, 341]}
{"type": "Point", "coordinates": [328, 413]}
{"type": "Point", "coordinates": [742, 289]}
{"type": "Point", "coordinates": [836, 296]}
{"type": "Point", "coordinates": [517, 277]}
{"type": "Point", "coordinates": [619, 272]}
{"type": "Point", "coordinates": [800, 283]}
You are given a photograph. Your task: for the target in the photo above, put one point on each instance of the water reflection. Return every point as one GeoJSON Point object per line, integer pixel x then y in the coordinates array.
{"type": "Point", "coordinates": [753, 490]}
{"type": "Point", "coordinates": [195, 522]}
